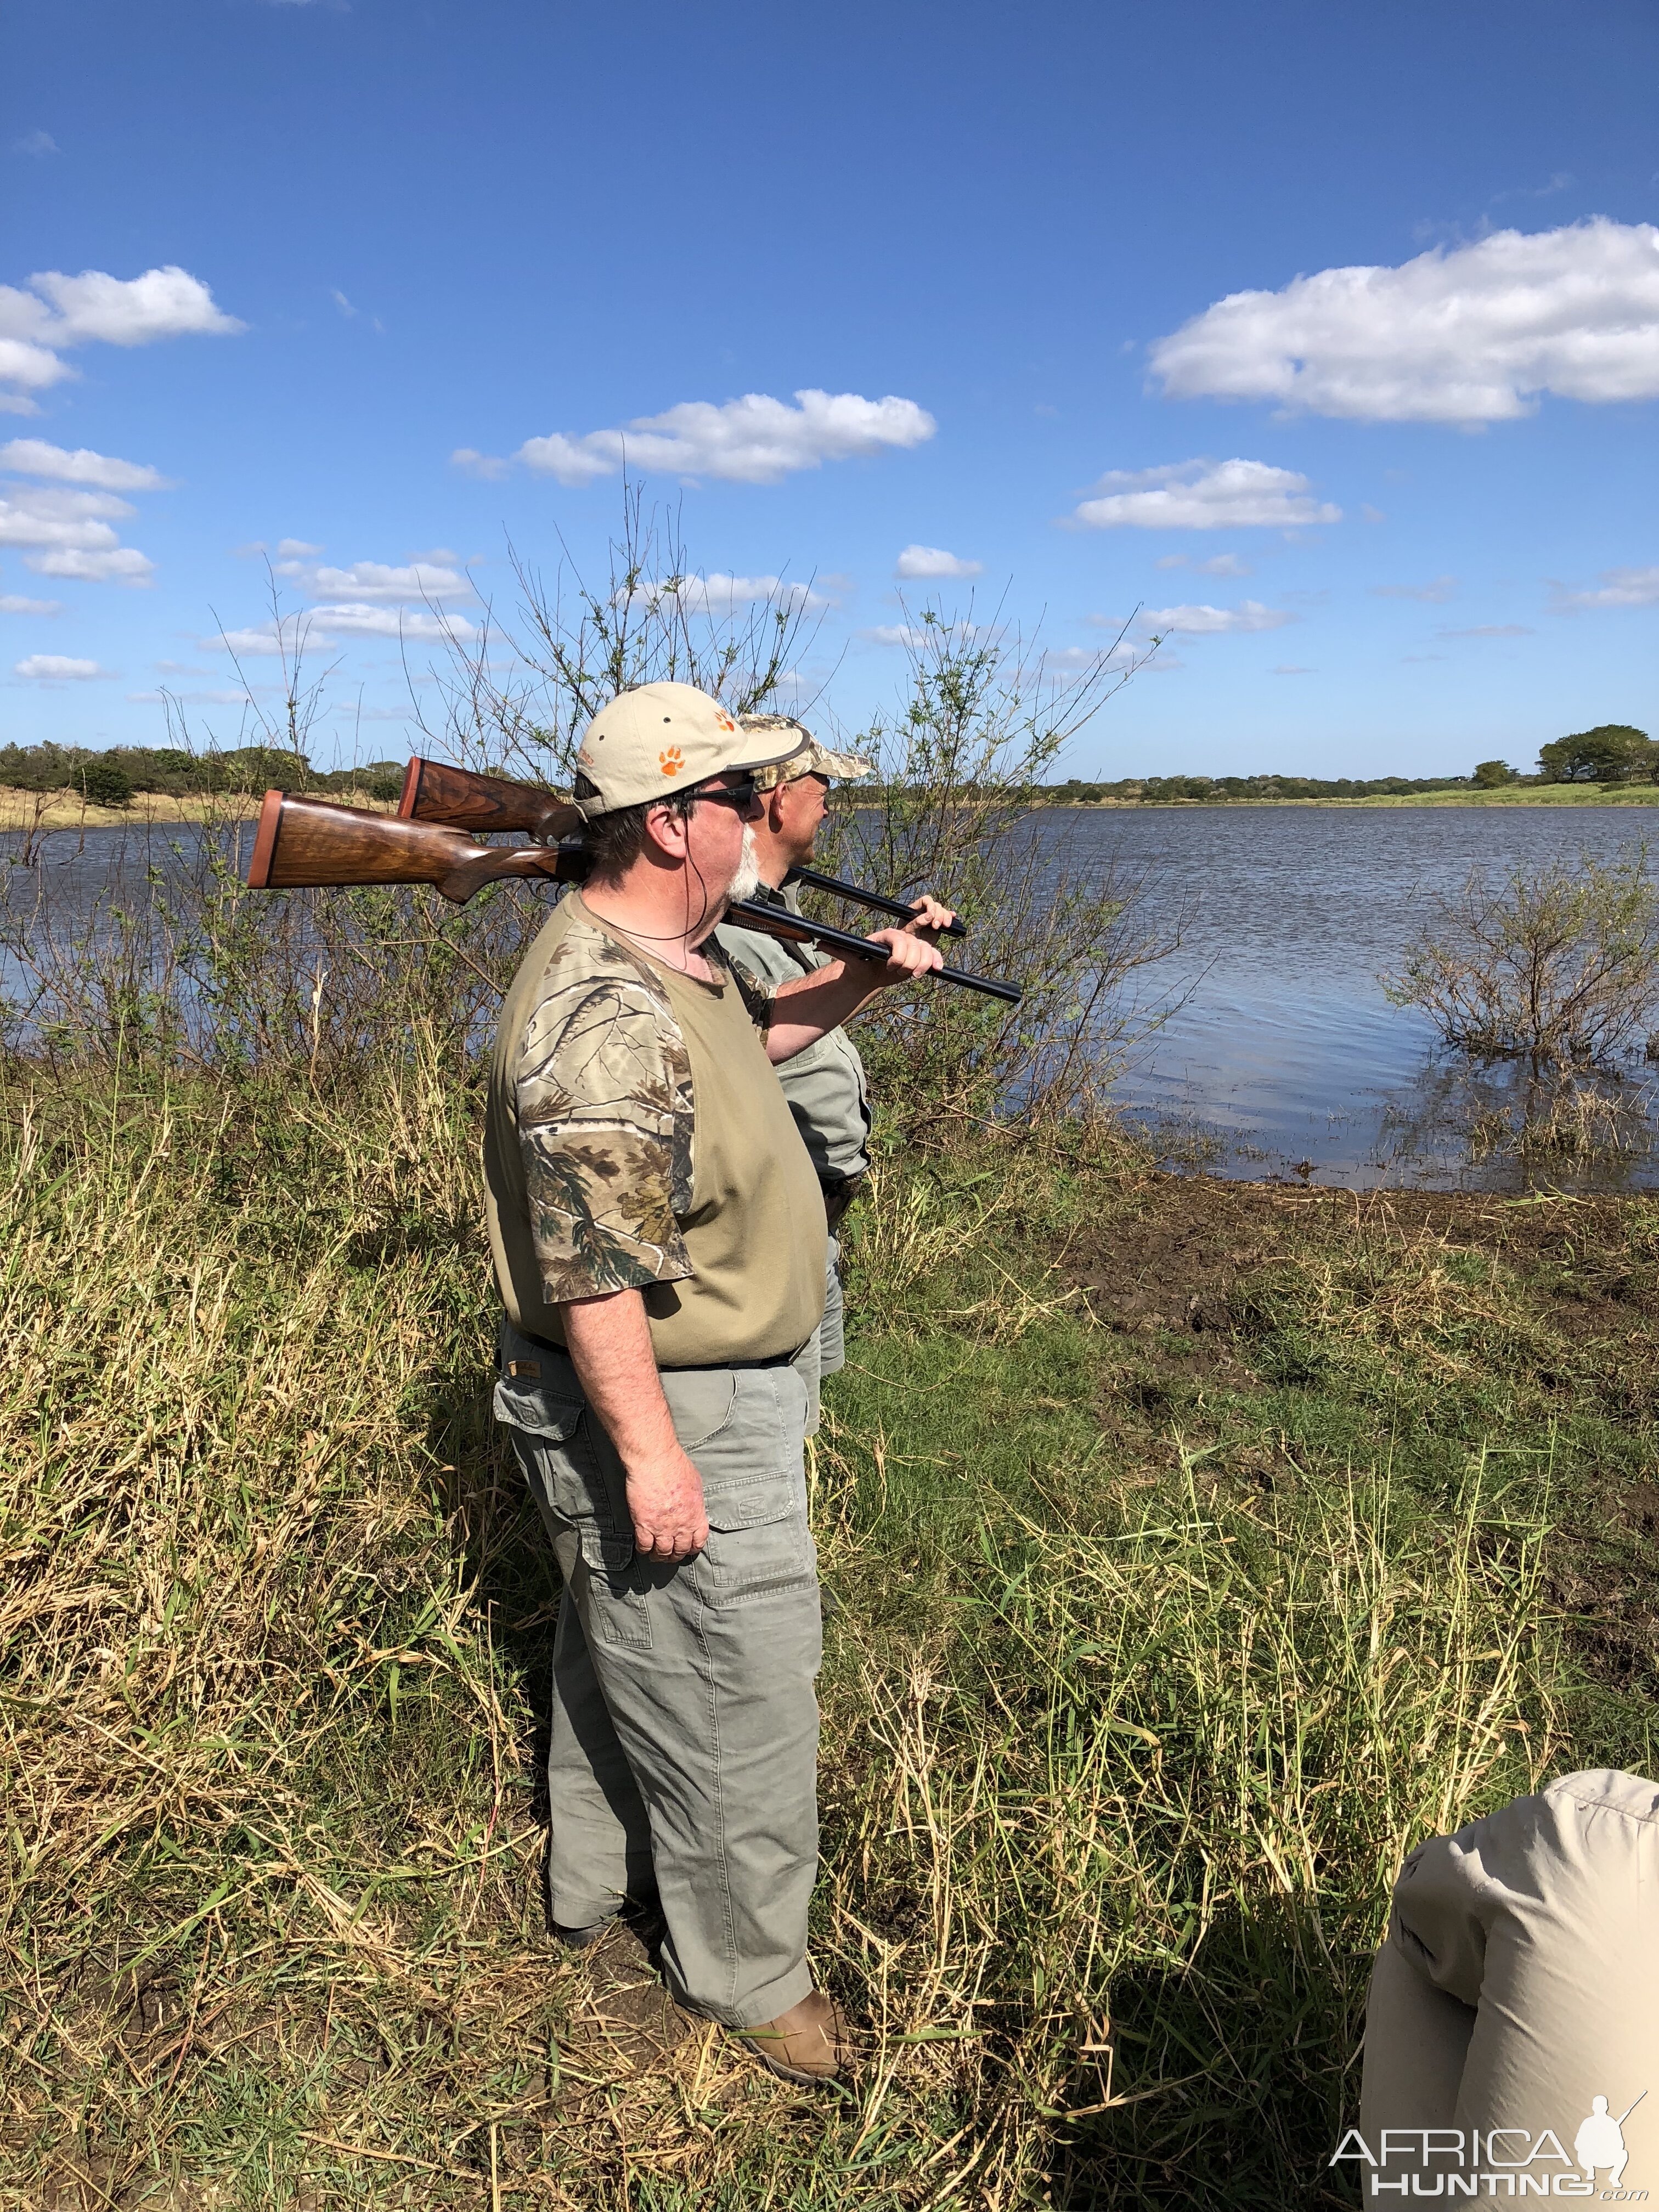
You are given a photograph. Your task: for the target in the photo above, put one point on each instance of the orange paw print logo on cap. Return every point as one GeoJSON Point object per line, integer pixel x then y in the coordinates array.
{"type": "Point", "coordinates": [727, 725]}
{"type": "Point", "coordinates": [671, 761]}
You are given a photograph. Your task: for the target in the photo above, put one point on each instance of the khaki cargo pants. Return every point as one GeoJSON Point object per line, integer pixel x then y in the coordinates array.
{"type": "Point", "coordinates": [1513, 2007]}
{"type": "Point", "coordinates": [683, 1755]}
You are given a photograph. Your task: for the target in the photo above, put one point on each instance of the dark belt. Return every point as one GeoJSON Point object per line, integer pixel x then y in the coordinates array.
{"type": "Point", "coordinates": [839, 1193]}
{"type": "Point", "coordinates": [704, 1367]}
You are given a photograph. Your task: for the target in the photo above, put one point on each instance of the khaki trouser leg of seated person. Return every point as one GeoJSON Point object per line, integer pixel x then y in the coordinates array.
{"type": "Point", "coordinates": [1519, 1985]}
{"type": "Point", "coordinates": [685, 1716]}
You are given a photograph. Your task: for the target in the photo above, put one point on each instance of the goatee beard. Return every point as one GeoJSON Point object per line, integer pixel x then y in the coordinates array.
{"type": "Point", "coordinates": [746, 882]}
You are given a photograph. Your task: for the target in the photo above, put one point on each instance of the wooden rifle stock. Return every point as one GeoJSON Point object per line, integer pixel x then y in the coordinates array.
{"type": "Point", "coordinates": [486, 804]}
{"type": "Point", "coordinates": [303, 843]}
{"type": "Point", "coordinates": [436, 791]}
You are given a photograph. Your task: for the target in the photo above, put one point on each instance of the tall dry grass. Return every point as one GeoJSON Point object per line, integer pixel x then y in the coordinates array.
{"type": "Point", "coordinates": [1117, 1761]}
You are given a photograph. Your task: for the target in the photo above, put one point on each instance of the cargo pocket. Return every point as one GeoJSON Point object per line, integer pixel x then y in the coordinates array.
{"type": "Point", "coordinates": [618, 1580]}
{"type": "Point", "coordinates": [759, 1545]}
{"type": "Point", "coordinates": [700, 1401]}
{"type": "Point", "coordinates": [556, 1447]}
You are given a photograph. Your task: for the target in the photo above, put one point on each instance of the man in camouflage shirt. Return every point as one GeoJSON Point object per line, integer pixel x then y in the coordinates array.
{"type": "Point", "coordinates": [657, 1232]}
{"type": "Point", "coordinates": [825, 1084]}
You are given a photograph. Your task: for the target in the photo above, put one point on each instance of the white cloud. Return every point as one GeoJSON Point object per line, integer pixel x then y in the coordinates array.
{"type": "Point", "coordinates": [721, 595]}
{"type": "Point", "coordinates": [35, 143]}
{"type": "Point", "coordinates": [1205, 495]}
{"type": "Point", "coordinates": [11, 603]}
{"type": "Point", "coordinates": [374, 582]}
{"type": "Point", "coordinates": [924, 561]}
{"type": "Point", "coordinates": [1616, 587]}
{"type": "Point", "coordinates": [58, 668]}
{"type": "Point", "coordinates": [291, 549]}
{"type": "Point", "coordinates": [1223, 564]}
{"type": "Point", "coordinates": [754, 440]}
{"type": "Point", "coordinates": [1248, 616]}
{"type": "Point", "coordinates": [35, 456]}
{"type": "Point", "coordinates": [162, 303]}
{"type": "Point", "coordinates": [912, 636]}
{"type": "Point", "coordinates": [119, 565]}
{"type": "Point", "coordinates": [69, 533]}
{"type": "Point", "coordinates": [1490, 629]}
{"type": "Point", "coordinates": [340, 625]}
{"type": "Point", "coordinates": [472, 462]}
{"type": "Point", "coordinates": [57, 312]}
{"type": "Point", "coordinates": [1475, 334]}
{"type": "Point", "coordinates": [1433, 594]}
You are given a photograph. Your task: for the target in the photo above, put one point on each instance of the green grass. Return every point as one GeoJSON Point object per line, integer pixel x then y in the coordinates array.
{"type": "Point", "coordinates": [1197, 1550]}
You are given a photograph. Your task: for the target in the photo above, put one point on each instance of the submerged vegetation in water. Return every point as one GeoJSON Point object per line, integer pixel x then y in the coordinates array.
{"type": "Point", "coordinates": [1558, 964]}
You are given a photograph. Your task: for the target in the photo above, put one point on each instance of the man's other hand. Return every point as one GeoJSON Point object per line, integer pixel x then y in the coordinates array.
{"type": "Point", "coordinates": [930, 917]}
{"type": "Point", "coordinates": [664, 1503]}
{"type": "Point", "coordinates": [907, 956]}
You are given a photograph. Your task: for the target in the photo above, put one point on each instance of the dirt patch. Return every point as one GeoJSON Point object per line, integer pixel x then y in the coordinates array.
{"type": "Point", "coordinates": [1177, 1263]}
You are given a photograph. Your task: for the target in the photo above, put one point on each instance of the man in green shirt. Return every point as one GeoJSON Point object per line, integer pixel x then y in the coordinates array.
{"type": "Point", "coordinates": [824, 1084]}
{"type": "Point", "coordinates": [658, 1232]}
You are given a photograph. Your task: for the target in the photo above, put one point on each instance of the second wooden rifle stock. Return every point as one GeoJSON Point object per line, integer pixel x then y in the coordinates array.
{"type": "Point", "coordinates": [302, 843]}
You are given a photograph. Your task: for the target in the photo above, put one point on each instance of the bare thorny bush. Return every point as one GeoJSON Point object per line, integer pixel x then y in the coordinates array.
{"type": "Point", "coordinates": [1558, 964]}
{"type": "Point", "coordinates": [170, 955]}
{"type": "Point", "coordinates": [1544, 984]}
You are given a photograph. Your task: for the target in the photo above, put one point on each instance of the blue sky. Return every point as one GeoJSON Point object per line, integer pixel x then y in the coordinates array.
{"type": "Point", "coordinates": [996, 241]}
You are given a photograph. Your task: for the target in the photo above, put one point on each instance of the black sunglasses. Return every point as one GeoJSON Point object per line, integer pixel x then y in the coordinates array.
{"type": "Point", "coordinates": [740, 795]}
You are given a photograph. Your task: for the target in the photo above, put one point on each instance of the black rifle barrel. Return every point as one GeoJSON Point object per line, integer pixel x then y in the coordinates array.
{"type": "Point", "coordinates": [876, 900]}
{"type": "Point", "coordinates": [572, 862]}
{"type": "Point", "coordinates": [777, 922]}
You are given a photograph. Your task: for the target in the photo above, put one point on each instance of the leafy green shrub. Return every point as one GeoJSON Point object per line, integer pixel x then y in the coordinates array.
{"type": "Point", "coordinates": [102, 783]}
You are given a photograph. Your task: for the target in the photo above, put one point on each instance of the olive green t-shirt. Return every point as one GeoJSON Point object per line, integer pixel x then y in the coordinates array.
{"type": "Point", "coordinates": [824, 1084]}
{"type": "Point", "coordinates": [636, 1138]}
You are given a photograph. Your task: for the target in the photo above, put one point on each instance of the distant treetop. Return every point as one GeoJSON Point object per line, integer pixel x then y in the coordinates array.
{"type": "Point", "coordinates": [1613, 752]}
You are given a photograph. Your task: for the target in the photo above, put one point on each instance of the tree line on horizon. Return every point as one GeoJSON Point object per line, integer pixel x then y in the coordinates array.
{"type": "Point", "coordinates": [1613, 752]}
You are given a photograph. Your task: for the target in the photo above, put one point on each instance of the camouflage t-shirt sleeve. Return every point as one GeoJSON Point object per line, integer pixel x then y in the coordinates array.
{"type": "Point", "coordinates": [605, 1114]}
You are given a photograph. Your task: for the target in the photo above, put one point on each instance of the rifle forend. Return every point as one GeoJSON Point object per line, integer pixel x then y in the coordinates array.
{"type": "Point", "coordinates": [307, 841]}
{"type": "Point", "coordinates": [488, 806]}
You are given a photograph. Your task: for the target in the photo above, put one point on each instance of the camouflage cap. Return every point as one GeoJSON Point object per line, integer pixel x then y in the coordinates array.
{"type": "Point", "coordinates": [810, 757]}
{"type": "Point", "coordinates": [661, 739]}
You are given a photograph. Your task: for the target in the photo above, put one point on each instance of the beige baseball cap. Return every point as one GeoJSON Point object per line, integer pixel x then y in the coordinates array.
{"type": "Point", "coordinates": [810, 757]}
{"type": "Point", "coordinates": [661, 739]}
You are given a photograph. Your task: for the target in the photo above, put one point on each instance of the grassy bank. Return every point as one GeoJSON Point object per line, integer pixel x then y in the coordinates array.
{"type": "Point", "coordinates": [1548, 794]}
{"type": "Point", "coordinates": [1197, 1548]}
{"type": "Point", "coordinates": [67, 810]}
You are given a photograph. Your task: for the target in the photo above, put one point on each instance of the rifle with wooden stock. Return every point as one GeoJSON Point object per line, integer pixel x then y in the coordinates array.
{"type": "Point", "coordinates": [302, 843]}
{"type": "Point", "coordinates": [436, 791]}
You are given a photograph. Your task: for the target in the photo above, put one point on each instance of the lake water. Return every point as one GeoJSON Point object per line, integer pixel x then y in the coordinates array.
{"type": "Point", "coordinates": [1284, 1057]}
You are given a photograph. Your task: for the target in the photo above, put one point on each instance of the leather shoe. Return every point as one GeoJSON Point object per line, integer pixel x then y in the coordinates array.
{"type": "Point", "coordinates": [810, 2042]}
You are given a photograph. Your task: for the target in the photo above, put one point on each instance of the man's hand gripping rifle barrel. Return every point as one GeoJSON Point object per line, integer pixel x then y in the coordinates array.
{"type": "Point", "coordinates": [304, 842]}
